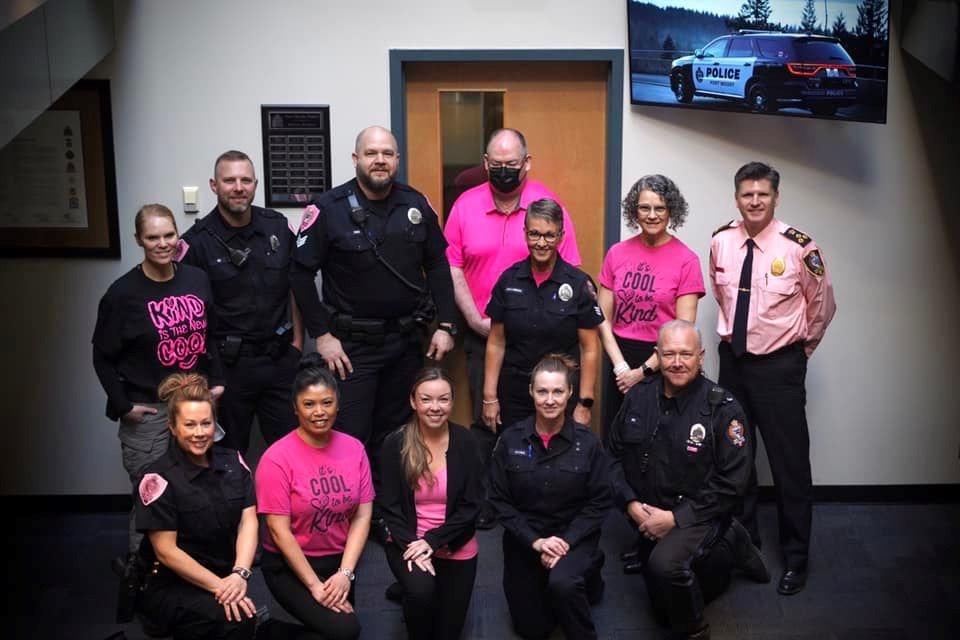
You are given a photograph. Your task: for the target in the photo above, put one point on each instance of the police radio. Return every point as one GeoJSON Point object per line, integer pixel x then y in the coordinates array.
{"type": "Point", "coordinates": [237, 257]}
{"type": "Point", "coordinates": [357, 213]}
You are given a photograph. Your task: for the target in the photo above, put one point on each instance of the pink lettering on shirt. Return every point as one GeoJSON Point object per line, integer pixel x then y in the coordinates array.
{"type": "Point", "coordinates": [181, 323]}
{"type": "Point", "coordinates": [332, 500]}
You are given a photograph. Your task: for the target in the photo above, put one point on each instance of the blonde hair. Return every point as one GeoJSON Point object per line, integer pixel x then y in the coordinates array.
{"type": "Point", "coordinates": [184, 387]}
{"type": "Point", "coordinates": [157, 210]}
{"type": "Point", "coordinates": [413, 451]}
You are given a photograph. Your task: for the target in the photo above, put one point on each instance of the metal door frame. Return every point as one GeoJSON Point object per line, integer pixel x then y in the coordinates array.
{"type": "Point", "coordinates": [614, 59]}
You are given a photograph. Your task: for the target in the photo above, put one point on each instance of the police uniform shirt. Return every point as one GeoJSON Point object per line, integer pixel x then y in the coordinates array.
{"type": "Point", "coordinates": [252, 300]}
{"type": "Point", "coordinates": [202, 504]}
{"type": "Point", "coordinates": [545, 319]}
{"type": "Point", "coordinates": [403, 228]}
{"type": "Point", "coordinates": [679, 453]}
{"type": "Point", "coordinates": [791, 297]}
{"type": "Point", "coordinates": [562, 491]}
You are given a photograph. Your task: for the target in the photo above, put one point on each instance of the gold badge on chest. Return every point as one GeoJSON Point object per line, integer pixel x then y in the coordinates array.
{"type": "Point", "coordinates": [778, 266]}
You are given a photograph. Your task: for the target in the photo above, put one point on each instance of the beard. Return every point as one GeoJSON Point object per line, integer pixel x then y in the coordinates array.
{"type": "Point", "coordinates": [232, 207]}
{"type": "Point", "coordinates": [376, 185]}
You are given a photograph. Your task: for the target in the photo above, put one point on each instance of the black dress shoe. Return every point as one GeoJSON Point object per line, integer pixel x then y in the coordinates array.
{"type": "Point", "coordinates": [748, 557]}
{"type": "Point", "coordinates": [630, 556]}
{"type": "Point", "coordinates": [792, 582]}
{"type": "Point", "coordinates": [633, 568]}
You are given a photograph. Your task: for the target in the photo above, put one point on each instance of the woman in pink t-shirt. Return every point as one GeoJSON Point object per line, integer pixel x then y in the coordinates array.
{"type": "Point", "coordinates": [646, 280]}
{"type": "Point", "coordinates": [314, 487]}
{"type": "Point", "coordinates": [430, 497]}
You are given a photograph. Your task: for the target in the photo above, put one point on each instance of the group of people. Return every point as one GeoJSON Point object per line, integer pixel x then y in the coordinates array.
{"type": "Point", "coordinates": [208, 332]}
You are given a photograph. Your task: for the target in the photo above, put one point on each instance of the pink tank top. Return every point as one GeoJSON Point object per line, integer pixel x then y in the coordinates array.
{"type": "Point", "coordinates": [431, 505]}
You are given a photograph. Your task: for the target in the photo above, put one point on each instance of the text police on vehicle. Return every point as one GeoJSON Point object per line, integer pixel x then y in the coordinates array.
{"type": "Point", "coordinates": [769, 71]}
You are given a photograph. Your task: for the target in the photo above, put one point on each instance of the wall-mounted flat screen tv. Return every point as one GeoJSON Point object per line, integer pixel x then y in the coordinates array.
{"type": "Point", "coordinates": [806, 58]}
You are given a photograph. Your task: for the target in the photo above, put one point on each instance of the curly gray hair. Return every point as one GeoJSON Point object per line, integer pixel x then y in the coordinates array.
{"type": "Point", "coordinates": [664, 187]}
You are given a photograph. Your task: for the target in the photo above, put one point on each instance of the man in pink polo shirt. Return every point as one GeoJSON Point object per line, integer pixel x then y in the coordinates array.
{"type": "Point", "coordinates": [485, 235]}
{"type": "Point", "coordinates": [776, 300]}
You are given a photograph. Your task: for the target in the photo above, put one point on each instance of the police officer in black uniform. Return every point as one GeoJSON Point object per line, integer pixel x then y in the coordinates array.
{"type": "Point", "coordinates": [246, 252]}
{"type": "Point", "coordinates": [540, 305]}
{"type": "Point", "coordinates": [197, 507]}
{"type": "Point", "coordinates": [379, 247]}
{"type": "Point", "coordinates": [551, 492]}
{"type": "Point", "coordinates": [681, 463]}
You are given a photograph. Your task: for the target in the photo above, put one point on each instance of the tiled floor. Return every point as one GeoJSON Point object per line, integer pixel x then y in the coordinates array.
{"type": "Point", "coordinates": [878, 572]}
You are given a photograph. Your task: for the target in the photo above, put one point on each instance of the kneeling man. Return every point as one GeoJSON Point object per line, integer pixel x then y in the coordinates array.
{"type": "Point", "coordinates": [681, 463]}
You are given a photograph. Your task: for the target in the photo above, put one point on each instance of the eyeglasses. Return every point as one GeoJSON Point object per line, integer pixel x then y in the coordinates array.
{"type": "Point", "coordinates": [549, 237]}
{"type": "Point", "coordinates": [512, 164]}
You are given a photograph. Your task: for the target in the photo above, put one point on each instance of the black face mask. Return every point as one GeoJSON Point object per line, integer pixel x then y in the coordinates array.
{"type": "Point", "coordinates": [504, 179]}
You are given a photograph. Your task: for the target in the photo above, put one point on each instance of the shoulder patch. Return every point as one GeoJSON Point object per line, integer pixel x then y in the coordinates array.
{"type": "Point", "coordinates": [797, 236]}
{"type": "Point", "coordinates": [729, 225]}
{"type": "Point", "coordinates": [590, 288]}
{"type": "Point", "coordinates": [814, 263]}
{"type": "Point", "coordinates": [310, 215]}
{"type": "Point", "coordinates": [736, 434]}
{"type": "Point", "coordinates": [152, 486]}
{"type": "Point", "coordinates": [182, 247]}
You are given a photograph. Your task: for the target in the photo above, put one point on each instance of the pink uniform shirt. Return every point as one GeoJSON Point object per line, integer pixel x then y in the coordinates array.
{"type": "Point", "coordinates": [646, 282]}
{"type": "Point", "coordinates": [431, 505]}
{"type": "Point", "coordinates": [791, 296]}
{"type": "Point", "coordinates": [484, 242]}
{"type": "Point", "coordinates": [319, 488]}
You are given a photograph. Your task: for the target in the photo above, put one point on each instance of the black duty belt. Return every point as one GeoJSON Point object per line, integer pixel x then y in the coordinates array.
{"type": "Point", "coordinates": [371, 330]}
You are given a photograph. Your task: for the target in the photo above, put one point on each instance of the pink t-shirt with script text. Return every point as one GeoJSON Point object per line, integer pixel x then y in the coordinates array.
{"type": "Point", "coordinates": [320, 489]}
{"type": "Point", "coordinates": [646, 282]}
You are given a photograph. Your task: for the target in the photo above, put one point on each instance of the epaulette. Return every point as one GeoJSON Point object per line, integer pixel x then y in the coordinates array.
{"type": "Point", "coordinates": [799, 237]}
{"type": "Point", "coordinates": [338, 193]}
{"type": "Point", "coordinates": [269, 213]}
{"type": "Point", "coordinates": [729, 225]}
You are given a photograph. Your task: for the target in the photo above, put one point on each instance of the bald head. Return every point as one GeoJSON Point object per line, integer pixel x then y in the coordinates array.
{"type": "Point", "coordinates": [378, 133]}
{"type": "Point", "coordinates": [376, 160]}
{"type": "Point", "coordinates": [507, 141]}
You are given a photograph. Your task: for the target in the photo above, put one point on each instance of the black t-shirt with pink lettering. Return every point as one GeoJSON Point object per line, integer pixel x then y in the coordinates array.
{"type": "Point", "coordinates": [147, 330]}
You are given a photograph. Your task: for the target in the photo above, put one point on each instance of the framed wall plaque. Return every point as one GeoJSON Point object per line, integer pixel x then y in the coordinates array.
{"type": "Point", "coordinates": [58, 187]}
{"type": "Point", "coordinates": [296, 153]}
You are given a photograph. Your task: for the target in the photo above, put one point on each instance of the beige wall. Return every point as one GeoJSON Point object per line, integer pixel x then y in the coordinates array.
{"type": "Point", "coordinates": [188, 79]}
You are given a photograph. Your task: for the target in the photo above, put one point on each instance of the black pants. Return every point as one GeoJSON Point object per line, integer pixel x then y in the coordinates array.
{"type": "Point", "coordinates": [635, 352]}
{"type": "Point", "coordinates": [190, 613]}
{"type": "Point", "coordinates": [772, 390]}
{"type": "Point", "coordinates": [294, 597]}
{"type": "Point", "coordinates": [375, 398]}
{"type": "Point", "coordinates": [434, 607]}
{"type": "Point", "coordinates": [684, 570]}
{"type": "Point", "coordinates": [539, 599]}
{"type": "Point", "coordinates": [262, 386]}
{"type": "Point", "coordinates": [475, 347]}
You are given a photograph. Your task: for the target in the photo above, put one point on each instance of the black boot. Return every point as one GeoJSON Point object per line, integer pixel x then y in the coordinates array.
{"type": "Point", "coordinates": [748, 558]}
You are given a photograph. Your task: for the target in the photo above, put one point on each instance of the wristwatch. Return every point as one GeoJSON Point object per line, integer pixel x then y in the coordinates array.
{"type": "Point", "coordinates": [449, 327]}
{"type": "Point", "coordinates": [351, 576]}
{"type": "Point", "coordinates": [647, 370]}
{"type": "Point", "coordinates": [586, 403]}
{"type": "Point", "coordinates": [242, 572]}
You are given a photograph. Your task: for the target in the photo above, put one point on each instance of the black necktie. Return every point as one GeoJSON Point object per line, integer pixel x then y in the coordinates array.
{"type": "Point", "coordinates": [739, 341]}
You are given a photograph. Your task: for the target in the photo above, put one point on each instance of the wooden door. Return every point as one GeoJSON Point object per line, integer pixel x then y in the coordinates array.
{"type": "Point", "coordinates": [561, 108]}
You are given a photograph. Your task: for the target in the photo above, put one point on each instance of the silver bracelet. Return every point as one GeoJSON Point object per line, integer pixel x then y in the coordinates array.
{"type": "Point", "coordinates": [489, 401]}
{"type": "Point", "coordinates": [621, 368]}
